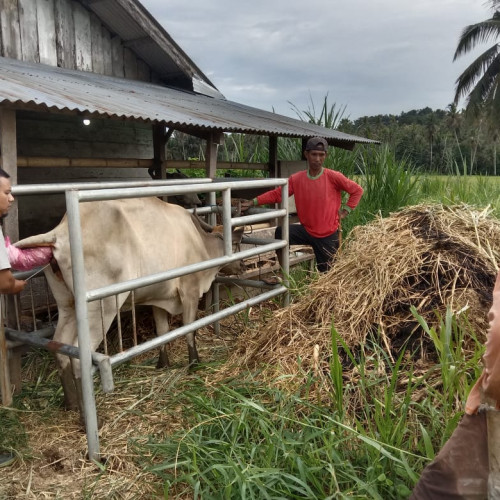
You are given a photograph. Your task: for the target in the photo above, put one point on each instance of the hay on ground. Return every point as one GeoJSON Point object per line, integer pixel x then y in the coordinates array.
{"type": "Point", "coordinates": [427, 256]}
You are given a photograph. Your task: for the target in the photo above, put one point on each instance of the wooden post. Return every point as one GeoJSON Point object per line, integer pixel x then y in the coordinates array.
{"type": "Point", "coordinates": [213, 141]}
{"type": "Point", "coordinates": [160, 138]}
{"type": "Point", "coordinates": [4, 360]}
{"type": "Point", "coordinates": [273, 157]}
{"type": "Point", "coordinates": [8, 148]}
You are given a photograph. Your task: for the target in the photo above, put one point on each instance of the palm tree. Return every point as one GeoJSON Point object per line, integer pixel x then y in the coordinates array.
{"type": "Point", "coordinates": [479, 82]}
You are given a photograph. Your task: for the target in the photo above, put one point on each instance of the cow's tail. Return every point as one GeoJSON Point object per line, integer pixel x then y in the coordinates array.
{"type": "Point", "coordinates": [38, 240]}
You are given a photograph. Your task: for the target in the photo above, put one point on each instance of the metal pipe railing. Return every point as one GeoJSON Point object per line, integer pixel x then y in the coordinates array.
{"type": "Point", "coordinates": [78, 192]}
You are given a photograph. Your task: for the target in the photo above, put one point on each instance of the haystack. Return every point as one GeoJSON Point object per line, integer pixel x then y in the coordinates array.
{"type": "Point", "coordinates": [431, 257]}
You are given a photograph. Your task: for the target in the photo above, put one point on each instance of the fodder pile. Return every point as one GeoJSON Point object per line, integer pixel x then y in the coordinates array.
{"type": "Point", "coordinates": [427, 256]}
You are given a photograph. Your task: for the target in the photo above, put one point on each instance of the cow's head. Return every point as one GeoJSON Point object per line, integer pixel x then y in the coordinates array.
{"type": "Point", "coordinates": [238, 266]}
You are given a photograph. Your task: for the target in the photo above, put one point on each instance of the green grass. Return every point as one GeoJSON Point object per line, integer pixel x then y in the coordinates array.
{"type": "Point", "coordinates": [372, 435]}
{"type": "Point", "coordinates": [244, 439]}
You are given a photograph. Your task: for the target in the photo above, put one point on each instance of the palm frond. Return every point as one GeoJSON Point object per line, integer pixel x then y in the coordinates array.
{"type": "Point", "coordinates": [484, 93]}
{"type": "Point", "coordinates": [467, 80]}
{"type": "Point", "coordinates": [478, 33]}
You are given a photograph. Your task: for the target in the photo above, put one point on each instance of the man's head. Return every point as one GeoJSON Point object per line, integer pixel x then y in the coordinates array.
{"type": "Point", "coordinates": [6, 197]}
{"type": "Point", "coordinates": [315, 154]}
{"type": "Point", "coordinates": [317, 144]}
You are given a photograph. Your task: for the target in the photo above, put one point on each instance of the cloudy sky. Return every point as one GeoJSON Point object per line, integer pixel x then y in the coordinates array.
{"type": "Point", "coordinates": [369, 56]}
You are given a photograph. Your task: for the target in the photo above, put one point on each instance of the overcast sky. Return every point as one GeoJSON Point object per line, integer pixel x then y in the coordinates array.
{"type": "Point", "coordinates": [371, 56]}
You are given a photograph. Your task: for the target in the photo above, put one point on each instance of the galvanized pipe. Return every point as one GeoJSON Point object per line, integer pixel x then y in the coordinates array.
{"type": "Point", "coordinates": [245, 283]}
{"type": "Point", "coordinates": [78, 270]}
{"type": "Point", "coordinates": [285, 251]}
{"type": "Point", "coordinates": [195, 325]}
{"type": "Point", "coordinates": [61, 187]}
{"type": "Point", "coordinates": [12, 341]}
{"type": "Point", "coordinates": [226, 222]}
{"type": "Point", "coordinates": [126, 286]}
{"type": "Point", "coordinates": [143, 192]}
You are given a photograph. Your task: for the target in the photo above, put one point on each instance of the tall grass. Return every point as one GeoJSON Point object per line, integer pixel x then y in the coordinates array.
{"type": "Point", "coordinates": [389, 185]}
{"type": "Point", "coordinates": [382, 424]}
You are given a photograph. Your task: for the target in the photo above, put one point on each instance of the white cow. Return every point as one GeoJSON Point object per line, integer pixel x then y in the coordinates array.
{"type": "Point", "coordinates": [123, 240]}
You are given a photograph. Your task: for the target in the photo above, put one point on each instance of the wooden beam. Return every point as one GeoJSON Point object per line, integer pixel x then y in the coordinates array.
{"type": "Point", "coordinates": [159, 142]}
{"type": "Point", "coordinates": [59, 162]}
{"type": "Point", "coordinates": [273, 156]}
{"type": "Point", "coordinates": [8, 147]}
{"type": "Point", "coordinates": [211, 153]}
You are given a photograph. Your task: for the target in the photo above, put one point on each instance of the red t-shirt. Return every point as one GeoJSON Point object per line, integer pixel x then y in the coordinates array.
{"type": "Point", "coordinates": [317, 199]}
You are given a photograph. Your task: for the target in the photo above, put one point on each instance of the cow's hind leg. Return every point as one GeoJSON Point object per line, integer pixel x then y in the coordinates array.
{"type": "Point", "coordinates": [161, 322]}
{"type": "Point", "coordinates": [189, 310]}
{"type": "Point", "coordinates": [70, 392]}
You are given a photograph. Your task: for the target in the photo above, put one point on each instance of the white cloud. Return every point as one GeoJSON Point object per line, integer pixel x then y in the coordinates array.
{"type": "Point", "coordinates": [384, 56]}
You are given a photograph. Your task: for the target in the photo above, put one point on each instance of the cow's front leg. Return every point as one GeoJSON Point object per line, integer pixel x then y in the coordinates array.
{"type": "Point", "coordinates": [161, 323]}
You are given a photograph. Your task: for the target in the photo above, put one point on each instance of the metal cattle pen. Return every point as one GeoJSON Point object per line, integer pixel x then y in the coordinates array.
{"type": "Point", "coordinates": [92, 361]}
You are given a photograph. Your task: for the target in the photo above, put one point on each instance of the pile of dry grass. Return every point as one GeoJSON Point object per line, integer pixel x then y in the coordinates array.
{"type": "Point", "coordinates": [428, 256]}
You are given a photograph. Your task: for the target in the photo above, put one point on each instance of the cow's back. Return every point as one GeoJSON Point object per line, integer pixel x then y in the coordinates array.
{"type": "Point", "coordinates": [130, 238]}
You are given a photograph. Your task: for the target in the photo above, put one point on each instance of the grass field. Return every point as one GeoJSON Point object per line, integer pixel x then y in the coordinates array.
{"type": "Point", "coordinates": [177, 435]}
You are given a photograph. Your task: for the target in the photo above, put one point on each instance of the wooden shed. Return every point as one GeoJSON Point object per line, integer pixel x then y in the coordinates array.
{"type": "Point", "coordinates": [91, 90]}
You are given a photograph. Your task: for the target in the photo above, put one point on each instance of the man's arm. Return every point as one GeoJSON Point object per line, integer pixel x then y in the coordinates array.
{"type": "Point", "coordinates": [267, 198]}
{"type": "Point", "coordinates": [9, 284]}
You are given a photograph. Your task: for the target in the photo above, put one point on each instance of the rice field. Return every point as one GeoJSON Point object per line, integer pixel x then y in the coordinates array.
{"type": "Point", "coordinates": [362, 423]}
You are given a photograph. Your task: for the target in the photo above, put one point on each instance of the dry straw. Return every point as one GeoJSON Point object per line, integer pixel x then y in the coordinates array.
{"type": "Point", "coordinates": [427, 256]}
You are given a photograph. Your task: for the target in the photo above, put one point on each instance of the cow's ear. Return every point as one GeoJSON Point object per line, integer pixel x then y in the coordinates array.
{"type": "Point", "coordinates": [237, 234]}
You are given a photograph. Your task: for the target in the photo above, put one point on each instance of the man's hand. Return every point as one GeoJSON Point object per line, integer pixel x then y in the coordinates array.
{"type": "Point", "coordinates": [9, 284]}
{"type": "Point", "coordinates": [343, 213]}
{"type": "Point", "coordinates": [246, 204]}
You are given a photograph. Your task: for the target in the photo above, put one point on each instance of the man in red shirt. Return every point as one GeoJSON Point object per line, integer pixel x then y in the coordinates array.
{"type": "Point", "coordinates": [318, 200]}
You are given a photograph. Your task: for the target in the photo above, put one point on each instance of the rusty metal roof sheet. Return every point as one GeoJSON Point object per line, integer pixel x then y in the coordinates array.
{"type": "Point", "coordinates": [36, 86]}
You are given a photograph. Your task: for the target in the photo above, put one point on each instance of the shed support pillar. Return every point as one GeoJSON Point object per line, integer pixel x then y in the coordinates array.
{"type": "Point", "coordinates": [8, 150]}
{"type": "Point", "coordinates": [214, 139]}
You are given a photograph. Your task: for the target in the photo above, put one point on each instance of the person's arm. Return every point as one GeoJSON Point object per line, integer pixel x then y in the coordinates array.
{"type": "Point", "coordinates": [9, 284]}
{"type": "Point", "coordinates": [267, 198]}
{"type": "Point", "coordinates": [355, 192]}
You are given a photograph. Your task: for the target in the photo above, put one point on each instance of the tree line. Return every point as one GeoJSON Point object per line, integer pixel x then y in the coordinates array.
{"type": "Point", "coordinates": [436, 141]}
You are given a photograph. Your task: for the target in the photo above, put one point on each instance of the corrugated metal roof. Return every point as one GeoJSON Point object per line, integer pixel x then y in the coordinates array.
{"type": "Point", "coordinates": [37, 85]}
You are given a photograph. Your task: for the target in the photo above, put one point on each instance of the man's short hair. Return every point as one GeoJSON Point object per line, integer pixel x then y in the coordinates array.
{"type": "Point", "coordinates": [316, 144]}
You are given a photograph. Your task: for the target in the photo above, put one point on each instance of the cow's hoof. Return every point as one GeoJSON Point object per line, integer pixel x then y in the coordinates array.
{"type": "Point", "coordinates": [100, 422]}
{"type": "Point", "coordinates": [163, 361]}
{"type": "Point", "coordinates": [194, 365]}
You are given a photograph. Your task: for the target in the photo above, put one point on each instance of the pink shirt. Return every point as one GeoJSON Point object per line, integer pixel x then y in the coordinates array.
{"type": "Point", "coordinates": [317, 199]}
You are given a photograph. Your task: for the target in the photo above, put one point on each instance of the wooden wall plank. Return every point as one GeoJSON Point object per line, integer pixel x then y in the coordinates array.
{"type": "Point", "coordinates": [83, 39]}
{"type": "Point", "coordinates": [46, 32]}
{"type": "Point", "coordinates": [143, 71]}
{"type": "Point", "coordinates": [65, 34]}
{"type": "Point", "coordinates": [107, 54]}
{"type": "Point", "coordinates": [129, 64]}
{"type": "Point", "coordinates": [63, 136]}
{"type": "Point", "coordinates": [117, 56]}
{"type": "Point", "coordinates": [97, 44]}
{"type": "Point", "coordinates": [29, 31]}
{"type": "Point", "coordinates": [9, 28]}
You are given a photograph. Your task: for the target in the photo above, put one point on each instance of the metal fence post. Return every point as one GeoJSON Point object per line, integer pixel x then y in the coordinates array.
{"type": "Point", "coordinates": [80, 292]}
